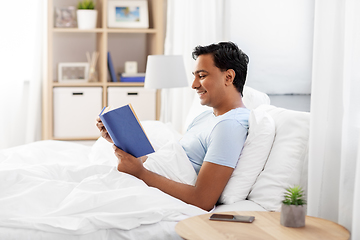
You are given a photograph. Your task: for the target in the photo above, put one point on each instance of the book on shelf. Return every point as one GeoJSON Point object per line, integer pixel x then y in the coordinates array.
{"type": "Point", "coordinates": [126, 131]}
{"type": "Point", "coordinates": [132, 77]}
{"type": "Point", "coordinates": [111, 68]}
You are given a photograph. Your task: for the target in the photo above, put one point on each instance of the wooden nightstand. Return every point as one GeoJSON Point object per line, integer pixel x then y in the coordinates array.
{"type": "Point", "coordinates": [266, 226]}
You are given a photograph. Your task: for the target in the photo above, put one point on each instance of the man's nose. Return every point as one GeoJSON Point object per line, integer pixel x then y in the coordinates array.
{"type": "Point", "coordinates": [195, 84]}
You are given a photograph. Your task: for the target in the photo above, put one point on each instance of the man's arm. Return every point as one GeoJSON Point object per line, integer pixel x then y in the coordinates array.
{"type": "Point", "coordinates": [210, 183]}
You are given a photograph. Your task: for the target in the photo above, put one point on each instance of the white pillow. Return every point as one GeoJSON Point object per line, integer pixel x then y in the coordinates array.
{"type": "Point", "coordinates": [287, 160]}
{"type": "Point", "coordinates": [253, 98]}
{"type": "Point", "coordinates": [253, 157]}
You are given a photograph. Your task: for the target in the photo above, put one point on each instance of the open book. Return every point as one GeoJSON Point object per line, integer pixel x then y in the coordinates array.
{"type": "Point", "coordinates": [126, 131]}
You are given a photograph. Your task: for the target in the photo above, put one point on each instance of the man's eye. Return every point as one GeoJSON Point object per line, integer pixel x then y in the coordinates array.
{"type": "Point", "coordinates": [202, 76]}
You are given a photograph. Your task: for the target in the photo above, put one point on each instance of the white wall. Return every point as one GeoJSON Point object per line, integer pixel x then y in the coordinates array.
{"type": "Point", "coordinates": [277, 36]}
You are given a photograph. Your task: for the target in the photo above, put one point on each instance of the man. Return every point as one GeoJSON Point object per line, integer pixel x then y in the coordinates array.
{"type": "Point", "coordinates": [214, 140]}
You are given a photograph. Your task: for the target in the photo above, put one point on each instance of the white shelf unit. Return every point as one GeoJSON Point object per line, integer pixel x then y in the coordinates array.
{"type": "Point", "coordinates": [124, 44]}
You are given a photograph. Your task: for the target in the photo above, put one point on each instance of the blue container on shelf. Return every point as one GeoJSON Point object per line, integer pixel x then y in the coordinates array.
{"type": "Point", "coordinates": [132, 77]}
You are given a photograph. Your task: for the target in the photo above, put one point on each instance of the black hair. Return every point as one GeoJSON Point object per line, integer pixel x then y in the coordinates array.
{"type": "Point", "coordinates": [227, 55]}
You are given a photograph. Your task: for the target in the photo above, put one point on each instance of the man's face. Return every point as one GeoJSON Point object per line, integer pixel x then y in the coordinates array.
{"type": "Point", "coordinates": [209, 81]}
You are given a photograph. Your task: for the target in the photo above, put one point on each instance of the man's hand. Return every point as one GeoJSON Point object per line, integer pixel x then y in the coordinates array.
{"type": "Point", "coordinates": [127, 163]}
{"type": "Point", "coordinates": [104, 133]}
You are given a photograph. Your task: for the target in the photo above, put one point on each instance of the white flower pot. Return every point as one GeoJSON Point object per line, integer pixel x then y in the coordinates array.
{"type": "Point", "coordinates": [86, 19]}
{"type": "Point", "coordinates": [293, 216]}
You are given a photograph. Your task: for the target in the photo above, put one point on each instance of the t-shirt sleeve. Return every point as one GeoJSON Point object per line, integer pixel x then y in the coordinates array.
{"type": "Point", "coordinates": [225, 143]}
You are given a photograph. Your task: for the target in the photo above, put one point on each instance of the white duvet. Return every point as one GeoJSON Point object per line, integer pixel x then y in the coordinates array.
{"type": "Point", "coordinates": [74, 189]}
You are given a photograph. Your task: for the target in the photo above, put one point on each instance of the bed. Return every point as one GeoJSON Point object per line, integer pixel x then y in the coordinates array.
{"type": "Point", "coordinates": [63, 190]}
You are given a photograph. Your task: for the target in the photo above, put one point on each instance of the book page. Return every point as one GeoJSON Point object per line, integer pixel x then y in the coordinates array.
{"type": "Point", "coordinates": [132, 109]}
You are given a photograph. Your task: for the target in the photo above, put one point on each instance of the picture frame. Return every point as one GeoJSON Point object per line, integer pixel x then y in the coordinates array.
{"type": "Point", "coordinates": [128, 14]}
{"type": "Point", "coordinates": [76, 72]}
{"type": "Point", "coordinates": [65, 17]}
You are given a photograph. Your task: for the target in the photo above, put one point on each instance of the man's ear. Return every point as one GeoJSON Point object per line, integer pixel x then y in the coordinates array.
{"type": "Point", "coordinates": [230, 76]}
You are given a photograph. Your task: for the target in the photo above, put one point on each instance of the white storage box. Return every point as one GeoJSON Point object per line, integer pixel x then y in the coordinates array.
{"type": "Point", "coordinates": [75, 111]}
{"type": "Point", "coordinates": [142, 100]}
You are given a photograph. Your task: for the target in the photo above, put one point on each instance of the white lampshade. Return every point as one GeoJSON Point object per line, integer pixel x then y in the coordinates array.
{"type": "Point", "coordinates": [165, 71]}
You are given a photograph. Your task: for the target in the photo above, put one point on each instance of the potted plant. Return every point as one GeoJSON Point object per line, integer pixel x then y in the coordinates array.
{"type": "Point", "coordinates": [293, 208]}
{"type": "Point", "coordinates": [86, 14]}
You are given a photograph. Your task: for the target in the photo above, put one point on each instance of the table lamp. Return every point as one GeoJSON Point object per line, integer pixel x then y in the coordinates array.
{"type": "Point", "coordinates": [165, 71]}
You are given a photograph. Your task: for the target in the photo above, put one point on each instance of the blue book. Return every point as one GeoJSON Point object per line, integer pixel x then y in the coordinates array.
{"type": "Point", "coordinates": [126, 131]}
{"type": "Point", "coordinates": [111, 68]}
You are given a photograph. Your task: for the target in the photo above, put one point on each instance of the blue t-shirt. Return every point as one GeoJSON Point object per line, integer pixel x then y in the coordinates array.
{"type": "Point", "coordinates": [216, 139]}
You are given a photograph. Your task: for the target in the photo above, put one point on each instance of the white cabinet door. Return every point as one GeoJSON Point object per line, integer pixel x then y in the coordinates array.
{"type": "Point", "coordinates": [142, 100]}
{"type": "Point", "coordinates": [75, 111]}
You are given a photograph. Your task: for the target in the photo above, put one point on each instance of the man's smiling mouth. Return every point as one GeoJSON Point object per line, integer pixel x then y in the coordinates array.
{"type": "Point", "coordinates": [201, 92]}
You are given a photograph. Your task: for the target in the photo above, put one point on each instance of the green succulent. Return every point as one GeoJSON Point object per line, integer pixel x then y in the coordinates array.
{"type": "Point", "coordinates": [294, 196]}
{"type": "Point", "coordinates": [86, 4]}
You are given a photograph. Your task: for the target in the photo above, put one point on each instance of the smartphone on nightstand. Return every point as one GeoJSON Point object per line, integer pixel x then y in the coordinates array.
{"type": "Point", "coordinates": [232, 218]}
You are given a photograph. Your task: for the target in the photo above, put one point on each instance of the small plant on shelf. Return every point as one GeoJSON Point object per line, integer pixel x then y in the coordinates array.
{"type": "Point", "coordinates": [86, 4]}
{"type": "Point", "coordinates": [293, 209]}
{"type": "Point", "coordinates": [86, 14]}
{"type": "Point", "coordinates": [294, 196]}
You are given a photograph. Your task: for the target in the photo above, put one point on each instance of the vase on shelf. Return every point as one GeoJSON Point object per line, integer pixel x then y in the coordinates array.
{"type": "Point", "coordinates": [86, 18]}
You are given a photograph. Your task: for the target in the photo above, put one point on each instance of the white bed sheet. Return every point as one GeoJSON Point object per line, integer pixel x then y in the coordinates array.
{"type": "Point", "coordinates": [163, 230]}
{"type": "Point", "coordinates": [62, 190]}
